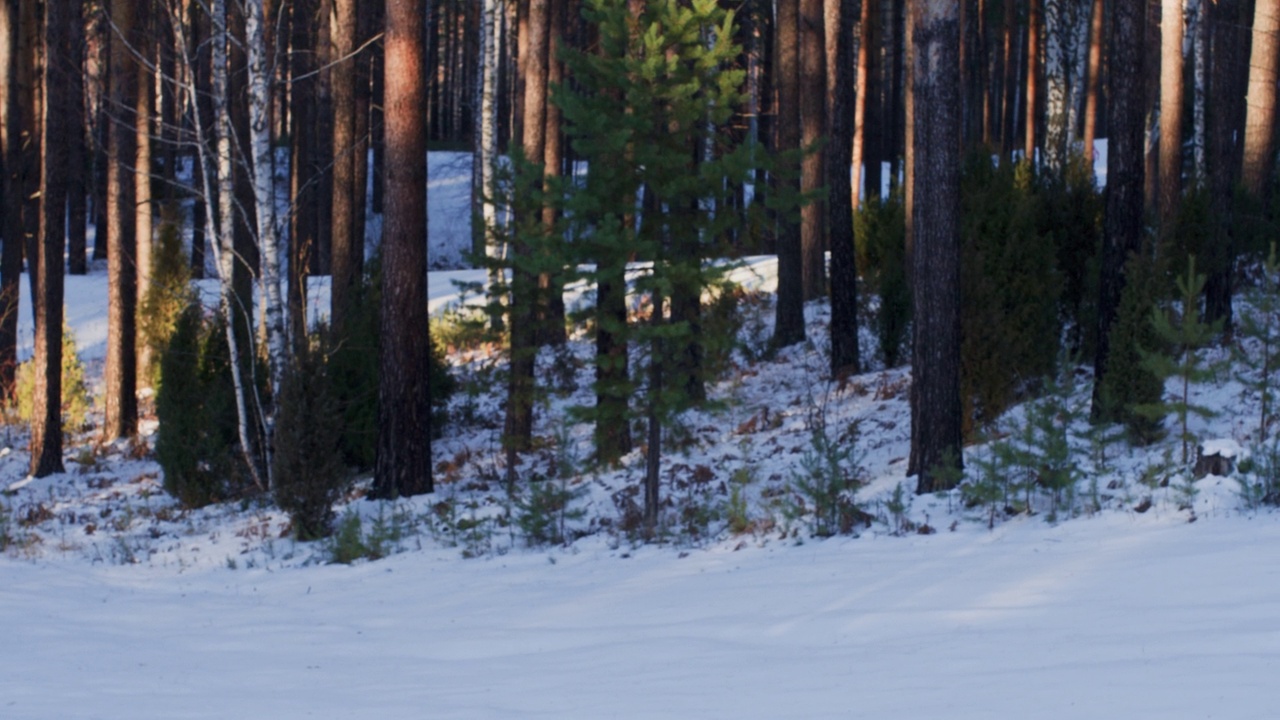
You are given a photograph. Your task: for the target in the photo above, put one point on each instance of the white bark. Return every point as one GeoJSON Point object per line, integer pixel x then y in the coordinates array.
{"type": "Point", "coordinates": [264, 196]}
{"type": "Point", "coordinates": [224, 247]}
{"type": "Point", "coordinates": [1066, 40]}
{"type": "Point", "coordinates": [489, 38]}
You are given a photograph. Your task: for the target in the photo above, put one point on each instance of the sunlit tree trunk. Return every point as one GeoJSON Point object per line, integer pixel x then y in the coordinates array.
{"type": "Point", "coordinates": [404, 399]}
{"type": "Point", "coordinates": [935, 368]}
{"type": "Point", "coordinates": [1260, 112]}
{"type": "Point", "coordinates": [120, 373]}
{"type": "Point", "coordinates": [1094, 73]}
{"type": "Point", "coordinates": [46, 416]}
{"type": "Point", "coordinates": [1171, 92]}
{"type": "Point", "coordinates": [1033, 74]}
{"type": "Point", "coordinates": [144, 121]}
{"type": "Point", "coordinates": [344, 270]}
{"type": "Point", "coordinates": [860, 114]}
{"type": "Point", "coordinates": [10, 196]}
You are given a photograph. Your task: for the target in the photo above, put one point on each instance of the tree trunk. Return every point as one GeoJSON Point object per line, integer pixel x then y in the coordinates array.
{"type": "Point", "coordinates": [144, 116]}
{"type": "Point", "coordinates": [120, 373]}
{"type": "Point", "coordinates": [304, 169]}
{"type": "Point", "coordinates": [813, 129]}
{"type": "Point", "coordinates": [1125, 169]}
{"type": "Point", "coordinates": [1094, 72]}
{"type": "Point", "coordinates": [1171, 91]}
{"type": "Point", "coordinates": [789, 326]}
{"type": "Point", "coordinates": [77, 167]}
{"type": "Point", "coordinates": [936, 417]}
{"type": "Point", "coordinates": [1225, 112]}
{"type": "Point", "coordinates": [233, 307]}
{"type": "Point", "coordinates": [46, 416]}
{"type": "Point", "coordinates": [10, 196]}
{"type": "Point", "coordinates": [263, 167]}
{"type": "Point", "coordinates": [863, 76]}
{"type": "Point", "coordinates": [524, 292]}
{"type": "Point", "coordinates": [551, 310]}
{"type": "Point", "coordinates": [1260, 117]}
{"type": "Point", "coordinates": [840, 17]}
{"type": "Point", "coordinates": [1033, 74]}
{"type": "Point", "coordinates": [344, 272]}
{"type": "Point", "coordinates": [404, 399]}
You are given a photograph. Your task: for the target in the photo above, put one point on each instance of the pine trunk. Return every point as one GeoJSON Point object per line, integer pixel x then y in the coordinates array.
{"type": "Point", "coordinates": [936, 416]}
{"type": "Point", "coordinates": [143, 118]}
{"type": "Point", "coordinates": [1171, 91]}
{"type": "Point", "coordinates": [46, 416]}
{"type": "Point", "coordinates": [813, 129]}
{"type": "Point", "coordinates": [1260, 117]}
{"type": "Point", "coordinates": [404, 399]}
{"type": "Point", "coordinates": [10, 197]}
{"type": "Point", "coordinates": [344, 272]}
{"type": "Point", "coordinates": [1094, 73]}
{"type": "Point", "coordinates": [120, 373]}
{"type": "Point", "coordinates": [840, 17]}
{"type": "Point", "coordinates": [789, 327]}
{"type": "Point", "coordinates": [1125, 171]}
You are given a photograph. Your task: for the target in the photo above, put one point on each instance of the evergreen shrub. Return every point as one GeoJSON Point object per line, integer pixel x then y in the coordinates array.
{"type": "Point", "coordinates": [1010, 289]}
{"type": "Point", "coordinates": [76, 401]}
{"type": "Point", "coordinates": [307, 465]}
{"type": "Point", "coordinates": [197, 443]}
{"type": "Point", "coordinates": [880, 246]}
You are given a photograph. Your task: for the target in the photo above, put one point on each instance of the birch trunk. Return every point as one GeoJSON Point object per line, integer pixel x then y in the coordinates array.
{"type": "Point", "coordinates": [264, 195]}
{"type": "Point", "coordinates": [1199, 11]}
{"type": "Point", "coordinates": [224, 247]}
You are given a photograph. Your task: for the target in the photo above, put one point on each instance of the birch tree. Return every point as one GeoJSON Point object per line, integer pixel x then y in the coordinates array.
{"type": "Point", "coordinates": [260, 90]}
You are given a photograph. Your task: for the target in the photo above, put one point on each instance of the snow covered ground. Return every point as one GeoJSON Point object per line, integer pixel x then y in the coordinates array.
{"type": "Point", "coordinates": [1137, 603]}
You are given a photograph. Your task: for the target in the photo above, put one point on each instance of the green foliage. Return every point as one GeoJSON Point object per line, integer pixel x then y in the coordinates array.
{"type": "Point", "coordinates": [167, 296]}
{"type": "Point", "coordinates": [545, 510]}
{"type": "Point", "coordinates": [1128, 384]}
{"type": "Point", "coordinates": [657, 87]}
{"type": "Point", "coordinates": [196, 444]}
{"type": "Point", "coordinates": [880, 246]}
{"type": "Point", "coordinates": [1257, 323]}
{"type": "Point", "coordinates": [1259, 476]}
{"type": "Point", "coordinates": [825, 488]}
{"type": "Point", "coordinates": [1010, 287]}
{"type": "Point", "coordinates": [1183, 333]}
{"type": "Point", "coordinates": [76, 401]}
{"type": "Point", "coordinates": [1069, 216]}
{"type": "Point", "coordinates": [353, 368]}
{"type": "Point", "coordinates": [307, 465]}
{"type": "Point", "coordinates": [898, 507]}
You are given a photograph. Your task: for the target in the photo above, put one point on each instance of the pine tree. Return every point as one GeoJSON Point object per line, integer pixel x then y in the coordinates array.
{"type": "Point", "coordinates": [662, 85]}
{"type": "Point", "coordinates": [1184, 333]}
{"type": "Point", "coordinates": [1259, 325]}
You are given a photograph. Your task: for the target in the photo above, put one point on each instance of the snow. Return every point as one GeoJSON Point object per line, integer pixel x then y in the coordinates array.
{"type": "Point", "coordinates": [1155, 602]}
{"type": "Point", "coordinates": [1223, 447]}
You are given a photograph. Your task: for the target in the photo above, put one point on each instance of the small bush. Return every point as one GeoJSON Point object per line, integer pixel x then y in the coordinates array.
{"type": "Point", "coordinates": [197, 442]}
{"type": "Point", "coordinates": [168, 295]}
{"type": "Point", "coordinates": [76, 401]}
{"type": "Point", "coordinates": [307, 464]}
{"type": "Point", "coordinates": [824, 490]}
{"type": "Point", "coordinates": [880, 244]}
